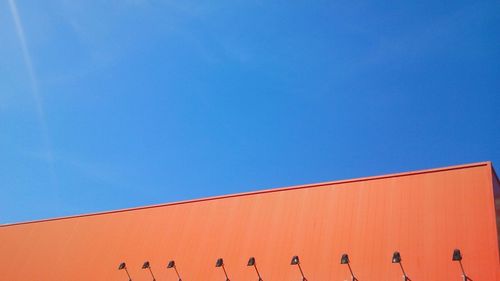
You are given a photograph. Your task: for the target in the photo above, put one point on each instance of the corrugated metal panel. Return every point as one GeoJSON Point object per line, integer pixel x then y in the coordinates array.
{"type": "Point", "coordinates": [422, 215]}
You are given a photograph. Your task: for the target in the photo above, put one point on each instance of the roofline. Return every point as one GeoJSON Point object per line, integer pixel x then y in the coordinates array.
{"type": "Point", "coordinates": [394, 175]}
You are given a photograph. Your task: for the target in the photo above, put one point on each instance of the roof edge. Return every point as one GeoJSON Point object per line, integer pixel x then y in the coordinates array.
{"type": "Point", "coordinates": [279, 189]}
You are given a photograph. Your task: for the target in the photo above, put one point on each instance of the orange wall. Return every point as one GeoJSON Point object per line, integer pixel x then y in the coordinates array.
{"type": "Point", "coordinates": [496, 191]}
{"type": "Point", "coordinates": [424, 215]}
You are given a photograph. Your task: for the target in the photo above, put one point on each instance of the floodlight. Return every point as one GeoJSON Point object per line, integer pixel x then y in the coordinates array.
{"type": "Point", "coordinates": [344, 259]}
{"type": "Point", "coordinates": [295, 261]}
{"type": "Point", "coordinates": [171, 264]}
{"type": "Point", "coordinates": [396, 258]}
{"type": "Point", "coordinates": [146, 265]}
{"type": "Point", "coordinates": [124, 266]}
{"type": "Point", "coordinates": [251, 262]}
{"type": "Point", "coordinates": [220, 263]}
{"type": "Point", "coordinates": [457, 256]}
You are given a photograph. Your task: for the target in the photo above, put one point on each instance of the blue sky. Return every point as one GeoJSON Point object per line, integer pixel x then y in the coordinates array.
{"type": "Point", "coordinates": [115, 104]}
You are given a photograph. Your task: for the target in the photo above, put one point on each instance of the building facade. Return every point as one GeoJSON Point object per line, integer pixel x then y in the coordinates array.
{"type": "Point", "coordinates": [424, 216]}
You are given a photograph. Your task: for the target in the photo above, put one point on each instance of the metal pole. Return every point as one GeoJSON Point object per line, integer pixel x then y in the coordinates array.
{"type": "Point", "coordinates": [225, 273]}
{"type": "Point", "coordinates": [464, 276]}
{"type": "Point", "coordinates": [353, 278]}
{"type": "Point", "coordinates": [151, 273]}
{"type": "Point", "coordinates": [177, 272]}
{"type": "Point", "coordinates": [255, 266]}
{"type": "Point", "coordinates": [129, 279]}
{"type": "Point", "coordinates": [302, 273]}
{"type": "Point", "coordinates": [405, 277]}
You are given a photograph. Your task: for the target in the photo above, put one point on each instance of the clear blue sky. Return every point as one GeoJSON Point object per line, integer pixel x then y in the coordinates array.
{"type": "Point", "coordinates": [115, 104]}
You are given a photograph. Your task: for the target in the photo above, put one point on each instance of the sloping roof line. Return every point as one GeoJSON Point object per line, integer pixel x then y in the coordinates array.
{"type": "Point", "coordinates": [426, 171]}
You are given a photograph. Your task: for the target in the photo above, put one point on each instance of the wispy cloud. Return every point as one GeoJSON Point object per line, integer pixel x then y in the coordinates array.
{"type": "Point", "coordinates": [34, 89]}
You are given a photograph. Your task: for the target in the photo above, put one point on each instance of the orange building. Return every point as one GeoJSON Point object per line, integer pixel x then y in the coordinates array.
{"type": "Point", "coordinates": [423, 215]}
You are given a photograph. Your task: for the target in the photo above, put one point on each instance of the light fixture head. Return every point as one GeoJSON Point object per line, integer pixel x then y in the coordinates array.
{"type": "Point", "coordinates": [295, 260]}
{"type": "Point", "coordinates": [122, 266]}
{"type": "Point", "coordinates": [344, 259]}
{"type": "Point", "coordinates": [171, 264]}
{"type": "Point", "coordinates": [146, 265]}
{"type": "Point", "coordinates": [251, 261]}
{"type": "Point", "coordinates": [396, 257]}
{"type": "Point", "coordinates": [219, 263]}
{"type": "Point", "coordinates": [457, 255]}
